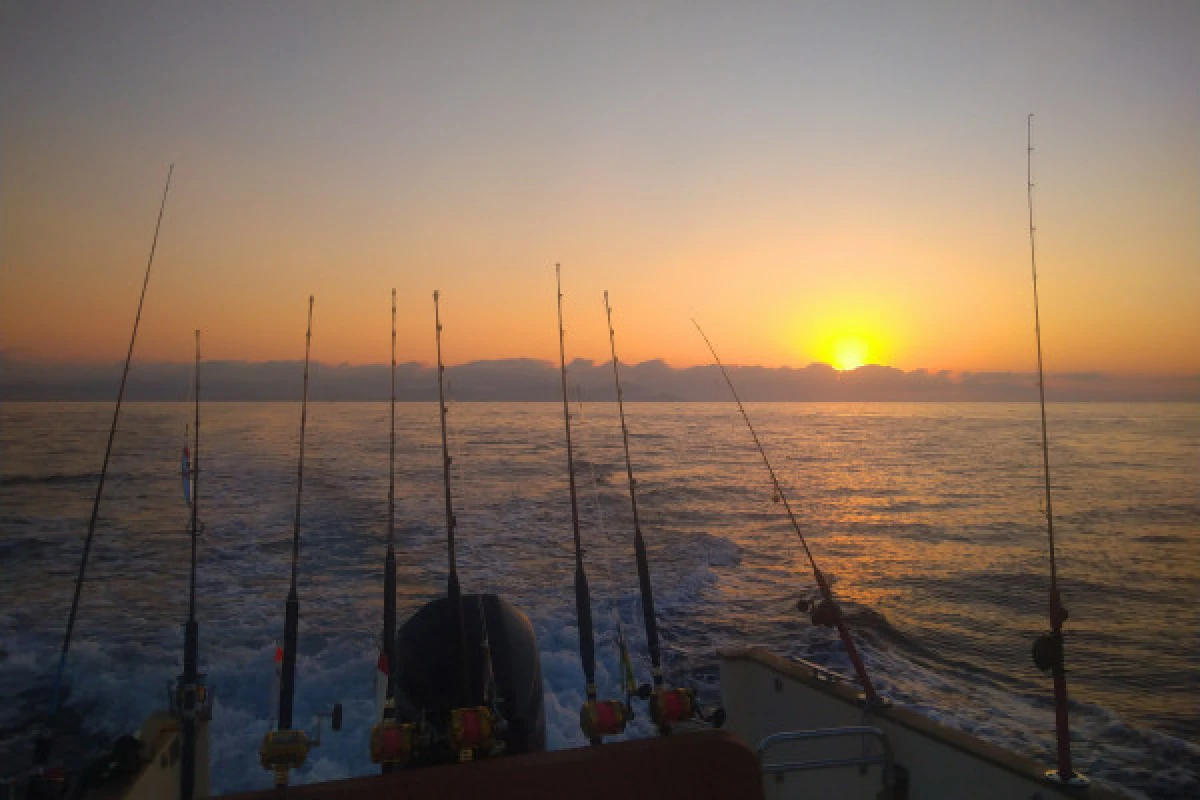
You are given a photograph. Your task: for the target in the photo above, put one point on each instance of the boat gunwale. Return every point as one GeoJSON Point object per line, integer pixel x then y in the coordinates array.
{"type": "Point", "coordinates": [842, 688]}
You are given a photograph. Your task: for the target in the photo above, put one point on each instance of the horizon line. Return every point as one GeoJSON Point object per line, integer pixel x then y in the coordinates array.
{"type": "Point", "coordinates": [16, 358]}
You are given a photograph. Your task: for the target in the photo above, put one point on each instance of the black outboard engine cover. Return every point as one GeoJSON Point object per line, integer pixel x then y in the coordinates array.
{"type": "Point", "coordinates": [429, 677]}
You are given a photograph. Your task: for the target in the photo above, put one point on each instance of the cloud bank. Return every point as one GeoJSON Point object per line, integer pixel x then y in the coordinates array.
{"type": "Point", "coordinates": [528, 380]}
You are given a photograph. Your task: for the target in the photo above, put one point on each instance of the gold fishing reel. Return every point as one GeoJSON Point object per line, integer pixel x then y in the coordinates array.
{"type": "Point", "coordinates": [286, 750]}
{"type": "Point", "coordinates": [283, 751]}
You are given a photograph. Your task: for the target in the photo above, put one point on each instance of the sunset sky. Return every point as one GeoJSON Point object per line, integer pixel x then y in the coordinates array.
{"type": "Point", "coordinates": [814, 181]}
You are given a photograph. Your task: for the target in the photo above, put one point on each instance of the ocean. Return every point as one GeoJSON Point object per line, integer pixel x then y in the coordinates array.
{"type": "Point", "coordinates": [928, 518]}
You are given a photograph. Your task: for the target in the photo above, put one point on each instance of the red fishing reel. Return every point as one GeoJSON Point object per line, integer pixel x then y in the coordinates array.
{"type": "Point", "coordinates": [392, 742]}
{"type": "Point", "coordinates": [603, 718]}
{"type": "Point", "coordinates": [471, 729]}
{"type": "Point", "coordinates": [672, 705]}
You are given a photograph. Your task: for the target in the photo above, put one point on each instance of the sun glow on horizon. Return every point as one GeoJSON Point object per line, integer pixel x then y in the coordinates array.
{"type": "Point", "coordinates": [846, 346]}
{"type": "Point", "coordinates": [848, 353]}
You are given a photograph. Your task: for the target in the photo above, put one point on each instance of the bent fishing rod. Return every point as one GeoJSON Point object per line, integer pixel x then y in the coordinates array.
{"type": "Point", "coordinates": [1048, 651]}
{"type": "Point", "coordinates": [597, 718]}
{"type": "Point", "coordinates": [189, 680]}
{"type": "Point", "coordinates": [453, 589]}
{"type": "Point", "coordinates": [666, 705]}
{"type": "Point", "coordinates": [827, 613]}
{"type": "Point", "coordinates": [56, 691]}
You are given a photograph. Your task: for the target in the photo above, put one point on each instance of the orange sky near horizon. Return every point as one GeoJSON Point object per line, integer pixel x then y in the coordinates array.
{"type": "Point", "coordinates": [811, 184]}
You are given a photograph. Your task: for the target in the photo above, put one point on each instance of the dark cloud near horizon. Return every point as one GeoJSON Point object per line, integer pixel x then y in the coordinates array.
{"type": "Point", "coordinates": [529, 380]}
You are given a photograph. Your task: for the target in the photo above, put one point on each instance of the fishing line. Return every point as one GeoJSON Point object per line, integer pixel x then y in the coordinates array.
{"type": "Point", "coordinates": [460, 482]}
{"type": "Point", "coordinates": [597, 511]}
{"type": "Point", "coordinates": [618, 587]}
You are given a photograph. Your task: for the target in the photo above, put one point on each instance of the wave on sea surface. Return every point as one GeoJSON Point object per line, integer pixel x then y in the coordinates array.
{"type": "Point", "coordinates": [939, 564]}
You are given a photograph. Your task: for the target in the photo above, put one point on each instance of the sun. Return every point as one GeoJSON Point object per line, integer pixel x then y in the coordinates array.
{"type": "Point", "coordinates": [848, 354]}
{"type": "Point", "coordinates": [847, 341]}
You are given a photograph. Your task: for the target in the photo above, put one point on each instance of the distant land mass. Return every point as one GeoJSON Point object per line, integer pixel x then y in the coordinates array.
{"type": "Point", "coordinates": [530, 380]}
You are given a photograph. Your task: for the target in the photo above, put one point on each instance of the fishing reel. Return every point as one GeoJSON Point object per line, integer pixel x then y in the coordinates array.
{"type": "Point", "coordinates": [392, 741]}
{"type": "Point", "coordinates": [600, 718]}
{"type": "Point", "coordinates": [669, 706]}
{"type": "Point", "coordinates": [1048, 648]}
{"type": "Point", "coordinates": [823, 612]}
{"type": "Point", "coordinates": [283, 751]}
{"type": "Point", "coordinates": [287, 749]}
{"type": "Point", "coordinates": [190, 700]}
{"type": "Point", "coordinates": [472, 731]}
{"type": "Point", "coordinates": [1048, 651]}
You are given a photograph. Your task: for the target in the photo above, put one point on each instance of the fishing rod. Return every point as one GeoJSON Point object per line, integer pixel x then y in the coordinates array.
{"type": "Point", "coordinates": [639, 543]}
{"type": "Point", "coordinates": [453, 589]}
{"type": "Point", "coordinates": [1048, 651]}
{"type": "Point", "coordinates": [666, 705]}
{"type": "Point", "coordinates": [56, 691]}
{"type": "Point", "coordinates": [827, 612]}
{"type": "Point", "coordinates": [287, 747]}
{"type": "Point", "coordinates": [287, 687]}
{"type": "Point", "coordinates": [189, 690]}
{"type": "Point", "coordinates": [474, 719]}
{"type": "Point", "coordinates": [598, 718]}
{"type": "Point", "coordinates": [389, 561]}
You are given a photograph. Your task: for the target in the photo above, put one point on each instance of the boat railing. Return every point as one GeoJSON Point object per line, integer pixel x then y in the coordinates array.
{"type": "Point", "coordinates": [886, 758]}
{"type": "Point", "coordinates": [823, 673]}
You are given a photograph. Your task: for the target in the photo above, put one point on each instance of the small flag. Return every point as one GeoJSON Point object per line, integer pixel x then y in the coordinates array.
{"type": "Point", "coordinates": [381, 681]}
{"type": "Point", "coordinates": [273, 700]}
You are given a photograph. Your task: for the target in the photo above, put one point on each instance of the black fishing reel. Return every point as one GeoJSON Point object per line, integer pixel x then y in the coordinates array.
{"type": "Point", "coordinates": [191, 700]}
{"type": "Point", "coordinates": [1048, 651]}
{"type": "Point", "coordinates": [822, 612]}
{"type": "Point", "coordinates": [1048, 648]}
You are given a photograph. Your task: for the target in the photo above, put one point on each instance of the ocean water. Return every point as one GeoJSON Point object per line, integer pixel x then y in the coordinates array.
{"type": "Point", "coordinates": [928, 518]}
